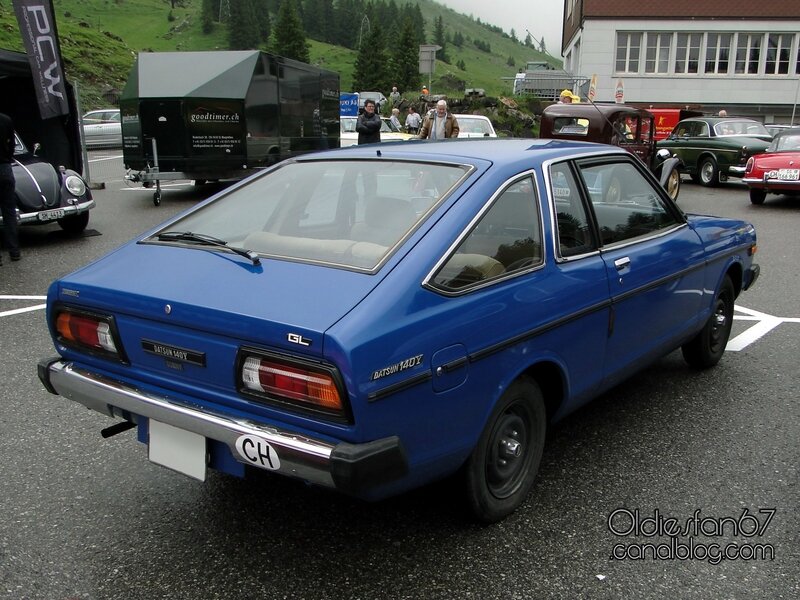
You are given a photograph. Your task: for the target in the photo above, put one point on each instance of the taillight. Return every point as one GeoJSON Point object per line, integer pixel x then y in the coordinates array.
{"type": "Point", "coordinates": [749, 167]}
{"type": "Point", "coordinates": [302, 384]}
{"type": "Point", "coordinates": [87, 331]}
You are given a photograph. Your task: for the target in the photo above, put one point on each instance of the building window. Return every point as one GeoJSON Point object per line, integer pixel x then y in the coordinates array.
{"type": "Point", "coordinates": [687, 52]}
{"type": "Point", "coordinates": [748, 53]}
{"type": "Point", "coordinates": [629, 46]}
{"type": "Point", "coordinates": [797, 66]}
{"type": "Point", "coordinates": [779, 47]}
{"type": "Point", "coordinates": [657, 58]}
{"type": "Point", "coordinates": [718, 52]}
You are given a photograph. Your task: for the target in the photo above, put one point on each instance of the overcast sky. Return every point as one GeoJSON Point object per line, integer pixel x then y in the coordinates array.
{"type": "Point", "coordinates": [541, 17]}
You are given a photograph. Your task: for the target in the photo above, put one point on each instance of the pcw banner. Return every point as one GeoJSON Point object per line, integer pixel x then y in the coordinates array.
{"type": "Point", "coordinates": [38, 29]}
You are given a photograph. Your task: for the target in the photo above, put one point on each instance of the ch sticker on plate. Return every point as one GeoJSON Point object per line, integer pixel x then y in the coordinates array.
{"type": "Point", "coordinates": [258, 452]}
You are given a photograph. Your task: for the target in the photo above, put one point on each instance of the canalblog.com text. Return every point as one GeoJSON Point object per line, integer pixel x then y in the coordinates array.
{"type": "Point", "coordinates": [698, 537]}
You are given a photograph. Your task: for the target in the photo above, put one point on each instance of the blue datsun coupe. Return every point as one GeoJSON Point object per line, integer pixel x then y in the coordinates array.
{"type": "Point", "coordinates": [374, 318]}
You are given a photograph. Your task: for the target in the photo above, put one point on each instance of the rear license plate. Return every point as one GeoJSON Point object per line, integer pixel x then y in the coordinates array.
{"type": "Point", "coordinates": [51, 215]}
{"type": "Point", "coordinates": [179, 450]}
{"type": "Point", "coordinates": [789, 174]}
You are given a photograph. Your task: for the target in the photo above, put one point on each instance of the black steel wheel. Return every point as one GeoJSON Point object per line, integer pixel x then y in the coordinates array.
{"type": "Point", "coordinates": [707, 347]}
{"type": "Point", "coordinates": [502, 468]}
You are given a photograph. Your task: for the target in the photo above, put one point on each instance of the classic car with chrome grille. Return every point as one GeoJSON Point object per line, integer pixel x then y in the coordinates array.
{"type": "Point", "coordinates": [46, 195]}
{"type": "Point", "coordinates": [713, 149]}
{"type": "Point", "coordinates": [776, 171]}
{"type": "Point", "coordinates": [375, 318]}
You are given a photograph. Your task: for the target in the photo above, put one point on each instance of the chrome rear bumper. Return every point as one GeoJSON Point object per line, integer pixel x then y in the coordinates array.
{"type": "Point", "coordinates": [351, 468]}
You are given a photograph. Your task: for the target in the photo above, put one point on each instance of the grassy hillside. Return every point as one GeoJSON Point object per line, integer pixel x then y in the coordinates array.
{"type": "Point", "coordinates": [100, 39]}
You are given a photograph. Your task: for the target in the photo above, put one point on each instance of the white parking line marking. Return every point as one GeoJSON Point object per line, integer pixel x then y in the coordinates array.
{"type": "Point", "coordinates": [105, 158]}
{"type": "Point", "coordinates": [17, 311]}
{"type": "Point", "coordinates": [23, 297]}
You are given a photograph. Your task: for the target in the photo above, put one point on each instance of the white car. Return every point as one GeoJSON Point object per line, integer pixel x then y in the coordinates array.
{"type": "Point", "coordinates": [349, 135]}
{"type": "Point", "coordinates": [470, 126]}
{"type": "Point", "coordinates": [102, 128]}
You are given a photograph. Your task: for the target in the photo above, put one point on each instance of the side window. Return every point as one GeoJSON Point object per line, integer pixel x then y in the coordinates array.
{"type": "Point", "coordinates": [572, 222]}
{"type": "Point", "coordinates": [702, 129]}
{"type": "Point", "coordinates": [625, 203]}
{"type": "Point", "coordinates": [505, 240]}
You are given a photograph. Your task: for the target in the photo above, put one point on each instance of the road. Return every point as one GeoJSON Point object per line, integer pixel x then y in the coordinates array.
{"type": "Point", "coordinates": [717, 451]}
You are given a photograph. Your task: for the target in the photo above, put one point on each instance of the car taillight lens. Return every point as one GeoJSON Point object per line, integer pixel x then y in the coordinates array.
{"type": "Point", "coordinates": [749, 167]}
{"type": "Point", "coordinates": [299, 383]}
{"type": "Point", "coordinates": [86, 331]}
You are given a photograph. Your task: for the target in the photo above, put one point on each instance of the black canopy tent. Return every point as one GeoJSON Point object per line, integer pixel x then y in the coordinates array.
{"type": "Point", "coordinates": [59, 136]}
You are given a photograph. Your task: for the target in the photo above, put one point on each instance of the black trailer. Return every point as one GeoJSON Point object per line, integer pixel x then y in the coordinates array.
{"type": "Point", "coordinates": [218, 115]}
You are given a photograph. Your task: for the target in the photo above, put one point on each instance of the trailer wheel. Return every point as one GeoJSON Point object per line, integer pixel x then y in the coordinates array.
{"type": "Point", "coordinates": [157, 198]}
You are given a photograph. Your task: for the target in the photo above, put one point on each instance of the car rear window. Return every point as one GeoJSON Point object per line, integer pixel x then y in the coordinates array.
{"type": "Point", "coordinates": [348, 213]}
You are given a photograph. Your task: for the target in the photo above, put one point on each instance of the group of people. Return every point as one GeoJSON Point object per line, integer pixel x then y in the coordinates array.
{"type": "Point", "coordinates": [438, 124]}
{"type": "Point", "coordinates": [8, 208]}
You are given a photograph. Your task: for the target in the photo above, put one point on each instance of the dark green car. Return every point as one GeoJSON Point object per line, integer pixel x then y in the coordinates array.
{"type": "Point", "coordinates": [713, 149]}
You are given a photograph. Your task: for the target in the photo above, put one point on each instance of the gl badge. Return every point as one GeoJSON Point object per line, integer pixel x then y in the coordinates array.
{"type": "Point", "coordinates": [296, 338]}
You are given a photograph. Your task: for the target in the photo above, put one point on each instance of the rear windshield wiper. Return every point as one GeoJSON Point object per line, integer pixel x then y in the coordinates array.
{"type": "Point", "coordinates": [207, 240]}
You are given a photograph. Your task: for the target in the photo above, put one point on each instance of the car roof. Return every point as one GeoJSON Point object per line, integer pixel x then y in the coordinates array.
{"type": "Point", "coordinates": [523, 152]}
{"type": "Point", "coordinates": [588, 109]}
{"type": "Point", "coordinates": [788, 131]}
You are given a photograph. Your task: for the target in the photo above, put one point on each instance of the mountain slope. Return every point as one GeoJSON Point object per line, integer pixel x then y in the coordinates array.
{"type": "Point", "coordinates": [100, 39]}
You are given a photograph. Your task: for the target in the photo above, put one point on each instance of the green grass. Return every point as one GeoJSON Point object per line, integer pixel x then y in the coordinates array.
{"type": "Point", "coordinates": [101, 38]}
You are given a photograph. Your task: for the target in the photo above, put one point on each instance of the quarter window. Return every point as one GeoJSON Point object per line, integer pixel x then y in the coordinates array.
{"type": "Point", "coordinates": [505, 240]}
{"type": "Point", "coordinates": [572, 221]}
{"type": "Point", "coordinates": [625, 203]}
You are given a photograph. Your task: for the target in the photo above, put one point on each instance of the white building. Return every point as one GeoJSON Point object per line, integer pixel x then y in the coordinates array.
{"type": "Point", "coordinates": [683, 54]}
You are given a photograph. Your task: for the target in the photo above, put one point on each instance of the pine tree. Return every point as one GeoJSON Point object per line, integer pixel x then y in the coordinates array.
{"type": "Point", "coordinates": [440, 39]}
{"type": "Point", "coordinates": [242, 27]}
{"type": "Point", "coordinates": [406, 59]}
{"type": "Point", "coordinates": [372, 63]}
{"type": "Point", "coordinates": [261, 10]}
{"type": "Point", "coordinates": [207, 16]}
{"type": "Point", "coordinates": [290, 39]}
{"type": "Point", "coordinates": [528, 41]}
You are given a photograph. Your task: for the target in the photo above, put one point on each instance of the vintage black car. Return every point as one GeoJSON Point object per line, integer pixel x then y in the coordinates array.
{"type": "Point", "coordinates": [45, 194]}
{"type": "Point", "coordinates": [629, 128]}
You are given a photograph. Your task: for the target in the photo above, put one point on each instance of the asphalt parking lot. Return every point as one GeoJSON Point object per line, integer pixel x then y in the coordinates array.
{"type": "Point", "coordinates": [713, 454]}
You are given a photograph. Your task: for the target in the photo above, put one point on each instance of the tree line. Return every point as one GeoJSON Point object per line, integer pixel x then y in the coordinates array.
{"type": "Point", "coordinates": [385, 35]}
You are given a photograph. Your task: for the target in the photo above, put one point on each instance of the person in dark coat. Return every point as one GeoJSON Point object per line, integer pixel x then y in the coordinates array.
{"type": "Point", "coordinates": [8, 208]}
{"type": "Point", "coordinates": [368, 124]}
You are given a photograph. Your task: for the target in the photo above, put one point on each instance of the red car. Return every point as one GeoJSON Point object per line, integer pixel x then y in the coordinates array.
{"type": "Point", "coordinates": [777, 170]}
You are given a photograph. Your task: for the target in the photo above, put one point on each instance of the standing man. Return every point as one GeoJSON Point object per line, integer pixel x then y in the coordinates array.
{"type": "Point", "coordinates": [439, 124]}
{"type": "Point", "coordinates": [394, 97]}
{"type": "Point", "coordinates": [413, 121]}
{"type": "Point", "coordinates": [368, 124]}
{"type": "Point", "coordinates": [8, 208]}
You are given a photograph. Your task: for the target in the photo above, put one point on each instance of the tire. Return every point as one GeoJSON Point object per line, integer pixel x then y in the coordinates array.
{"type": "Point", "coordinates": [502, 468]}
{"type": "Point", "coordinates": [708, 172]}
{"type": "Point", "coordinates": [757, 196]}
{"type": "Point", "coordinates": [673, 185]}
{"type": "Point", "coordinates": [74, 224]}
{"type": "Point", "coordinates": [707, 347]}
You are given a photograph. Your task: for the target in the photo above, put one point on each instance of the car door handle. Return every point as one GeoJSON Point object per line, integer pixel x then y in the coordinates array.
{"type": "Point", "coordinates": [622, 263]}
